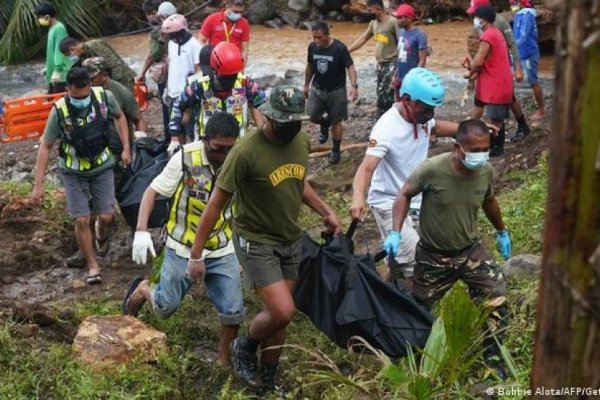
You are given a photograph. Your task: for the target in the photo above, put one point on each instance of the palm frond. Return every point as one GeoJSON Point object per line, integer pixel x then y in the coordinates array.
{"type": "Point", "coordinates": [21, 37]}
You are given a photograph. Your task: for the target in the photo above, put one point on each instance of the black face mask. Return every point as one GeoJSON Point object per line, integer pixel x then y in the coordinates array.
{"type": "Point", "coordinates": [225, 82]}
{"type": "Point", "coordinates": [422, 117]}
{"type": "Point", "coordinates": [180, 37]}
{"type": "Point", "coordinates": [286, 131]}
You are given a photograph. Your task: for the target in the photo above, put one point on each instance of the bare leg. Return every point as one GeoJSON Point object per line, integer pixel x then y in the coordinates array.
{"type": "Point", "coordinates": [228, 333]}
{"type": "Point", "coordinates": [83, 234]}
{"type": "Point", "coordinates": [539, 101]}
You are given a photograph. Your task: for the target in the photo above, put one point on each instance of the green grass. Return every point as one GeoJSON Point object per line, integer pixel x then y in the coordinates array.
{"type": "Point", "coordinates": [311, 368]}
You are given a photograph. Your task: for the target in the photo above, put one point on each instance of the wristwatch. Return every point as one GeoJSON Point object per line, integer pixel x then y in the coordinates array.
{"type": "Point", "coordinates": [355, 86]}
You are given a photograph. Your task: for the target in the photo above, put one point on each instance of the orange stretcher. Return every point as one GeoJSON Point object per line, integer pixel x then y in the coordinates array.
{"type": "Point", "coordinates": [25, 118]}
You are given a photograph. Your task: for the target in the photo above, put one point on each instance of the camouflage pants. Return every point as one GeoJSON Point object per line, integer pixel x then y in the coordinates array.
{"type": "Point", "coordinates": [385, 92]}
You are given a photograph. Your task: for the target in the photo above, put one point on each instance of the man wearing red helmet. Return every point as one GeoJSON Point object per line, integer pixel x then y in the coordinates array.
{"type": "Point", "coordinates": [226, 90]}
{"type": "Point", "coordinates": [412, 45]}
{"type": "Point", "coordinates": [227, 25]}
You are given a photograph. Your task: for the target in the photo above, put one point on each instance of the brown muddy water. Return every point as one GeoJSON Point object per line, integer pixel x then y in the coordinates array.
{"type": "Point", "coordinates": [274, 51]}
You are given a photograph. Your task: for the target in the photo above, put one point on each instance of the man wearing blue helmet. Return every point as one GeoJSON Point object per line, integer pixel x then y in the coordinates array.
{"type": "Point", "coordinates": [398, 143]}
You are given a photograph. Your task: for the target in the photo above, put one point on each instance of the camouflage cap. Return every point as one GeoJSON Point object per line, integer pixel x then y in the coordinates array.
{"type": "Point", "coordinates": [285, 104]}
{"type": "Point", "coordinates": [95, 65]}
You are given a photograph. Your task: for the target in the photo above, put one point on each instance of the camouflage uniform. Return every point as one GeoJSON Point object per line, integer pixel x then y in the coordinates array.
{"type": "Point", "coordinates": [436, 272]}
{"type": "Point", "coordinates": [120, 72]}
{"type": "Point", "coordinates": [385, 91]}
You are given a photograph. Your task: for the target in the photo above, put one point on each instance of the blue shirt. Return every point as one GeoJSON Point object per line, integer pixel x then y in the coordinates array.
{"type": "Point", "coordinates": [526, 35]}
{"type": "Point", "coordinates": [409, 44]}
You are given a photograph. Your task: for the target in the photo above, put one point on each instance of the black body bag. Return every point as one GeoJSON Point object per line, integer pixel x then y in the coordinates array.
{"type": "Point", "coordinates": [344, 296]}
{"type": "Point", "coordinates": [149, 158]}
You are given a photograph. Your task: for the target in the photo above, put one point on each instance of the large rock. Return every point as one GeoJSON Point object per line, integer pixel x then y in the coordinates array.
{"type": "Point", "coordinates": [522, 266]}
{"type": "Point", "coordinates": [302, 6]}
{"type": "Point", "coordinates": [104, 342]}
{"type": "Point", "coordinates": [260, 11]}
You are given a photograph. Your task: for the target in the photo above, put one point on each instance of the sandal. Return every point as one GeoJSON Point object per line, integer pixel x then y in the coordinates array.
{"type": "Point", "coordinates": [101, 246]}
{"type": "Point", "coordinates": [95, 279]}
{"type": "Point", "coordinates": [126, 309]}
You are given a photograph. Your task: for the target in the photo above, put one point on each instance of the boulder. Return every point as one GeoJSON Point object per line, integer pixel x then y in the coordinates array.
{"type": "Point", "coordinates": [104, 342]}
{"type": "Point", "coordinates": [290, 17]}
{"type": "Point", "coordinates": [268, 81]}
{"type": "Point", "coordinates": [522, 266]}
{"type": "Point", "coordinates": [302, 6]}
{"type": "Point", "coordinates": [260, 11]}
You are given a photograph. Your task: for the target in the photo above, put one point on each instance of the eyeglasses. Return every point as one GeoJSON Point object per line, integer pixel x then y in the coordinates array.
{"type": "Point", "coordinates": [218, 148]}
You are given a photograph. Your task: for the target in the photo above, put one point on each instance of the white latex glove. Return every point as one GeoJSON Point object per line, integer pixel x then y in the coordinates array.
{"type": "Point", "coordinates": [139, 134]}
{"type": "Point", "coordinates": [172, 146]}
{"type": "Point", "coordinates": [142, 244]}
{"type": "Point", "coordinates": [55, 77]}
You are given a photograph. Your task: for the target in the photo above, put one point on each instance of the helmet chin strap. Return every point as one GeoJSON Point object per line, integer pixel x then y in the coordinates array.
{"type": "Point", "coordinates": [410, 111]}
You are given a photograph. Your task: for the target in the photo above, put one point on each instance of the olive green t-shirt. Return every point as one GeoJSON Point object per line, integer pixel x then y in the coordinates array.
{"type": "Point", "coordinates": [127, 103]}
{"type": "Point", "coordinates": [386, 42]}
{"type": "Point", "coordinates": [267, 180]}
{"type": "Point", "coordinates": [450, 202]}
{"type": "Point", "coordinates": [53, 131]}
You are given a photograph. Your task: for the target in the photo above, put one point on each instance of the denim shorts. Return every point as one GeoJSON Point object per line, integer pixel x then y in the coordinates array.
{"type": "Point", "coordinates": [222, 280]}
{"type": "Point", "coordinates": [530, 66]}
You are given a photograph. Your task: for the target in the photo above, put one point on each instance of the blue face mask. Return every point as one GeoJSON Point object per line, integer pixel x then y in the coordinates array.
{"type": "Point", "coordinates": [475, 161]}
{"type": "Point", "coordinates": [74, 58]}
{"type": "Point", "coordinates": [233, 16]}
{"type": "Point", "coordinates": [81, 103]}
{"type": "Point", "coordinates": [477, 23]}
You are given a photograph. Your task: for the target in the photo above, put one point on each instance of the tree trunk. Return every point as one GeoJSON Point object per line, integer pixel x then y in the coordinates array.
{"type": "Point", "coordinates": [567, 343]}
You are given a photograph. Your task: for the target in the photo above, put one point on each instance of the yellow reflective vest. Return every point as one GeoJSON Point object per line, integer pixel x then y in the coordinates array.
{"type": "Point", "coordinates": [189, 201]}
{"type": "Point", "coordinates": [84, 143]}
{"type": "Point", "coordinates": [236, 104]}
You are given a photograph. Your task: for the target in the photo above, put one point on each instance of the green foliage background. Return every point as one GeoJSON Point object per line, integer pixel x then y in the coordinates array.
{"type": "Point", "coordinates": [20, 35]}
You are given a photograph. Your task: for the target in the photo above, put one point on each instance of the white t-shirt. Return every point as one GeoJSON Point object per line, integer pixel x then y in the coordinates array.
{"type": "Point", "coordinates": [182, 63]}
{"type": "Point", "coordinates": [166, 184]}
{"type": "Point", "coordinates": [392, 139]}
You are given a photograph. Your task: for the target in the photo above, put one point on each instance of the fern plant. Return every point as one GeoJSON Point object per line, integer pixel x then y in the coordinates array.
{"type": "Point", "coordinates": [21, 36]}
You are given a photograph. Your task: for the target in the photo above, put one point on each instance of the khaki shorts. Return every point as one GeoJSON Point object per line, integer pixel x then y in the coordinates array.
{"type": "Point", "coordinates": [264, 265]}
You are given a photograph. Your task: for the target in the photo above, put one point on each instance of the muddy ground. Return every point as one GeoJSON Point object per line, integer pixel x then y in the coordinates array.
{"type": "Point", "coordinates": [36, 241]}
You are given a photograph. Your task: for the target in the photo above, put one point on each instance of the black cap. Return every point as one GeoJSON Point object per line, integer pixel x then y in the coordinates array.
{"type": "Point", "coordinates": [205, 60]}
{"type": "Point", "coordinates": [486, 12]}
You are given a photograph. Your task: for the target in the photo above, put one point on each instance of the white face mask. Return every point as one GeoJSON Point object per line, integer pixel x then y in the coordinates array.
{"type": "Point", "coordinates": [475, 161]}
{"type": "Point", "coordinates": [477, 23]}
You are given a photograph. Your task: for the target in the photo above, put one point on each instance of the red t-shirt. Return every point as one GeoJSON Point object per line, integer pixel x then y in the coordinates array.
{"type": "Point", "coordinates": [494, 81]}
{"type": "Point", "coordinates": [217, 28]}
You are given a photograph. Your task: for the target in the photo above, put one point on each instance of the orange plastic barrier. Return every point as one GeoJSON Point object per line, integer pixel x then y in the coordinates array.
{"type": "Point", "coordinates": [25, 118]}
{"type": "Point", "coordinates": [140, 91]}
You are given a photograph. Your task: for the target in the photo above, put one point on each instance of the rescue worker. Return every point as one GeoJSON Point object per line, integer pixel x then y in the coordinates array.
{"type": "Point", "coordinates": [57, 64]}
{"type": "Point", "coordinates": [100, 76]}
{"type": "Point", "coordinates": [398, 143]}
{"type": "Point", "coordinates": [188, 179]}
{"type": "Point", "coordinates": [455, 186]}
{"type": "Point", "coordinates": [184, 60]}
{"type": "Point", "coordinates": [227, 25]}
{"type": "Point", "coordinates": [228, 89]}
{"type": "Point", "coordinates": [383, 29]}
{"type": "Point", "coordinates": [78, 51]}
{"type": "Point", "coordinates": [80, 121]}
{"type": "Point", "coordinates": [266, 172]}
{"type": "Point", "coordinates": [156, 60]}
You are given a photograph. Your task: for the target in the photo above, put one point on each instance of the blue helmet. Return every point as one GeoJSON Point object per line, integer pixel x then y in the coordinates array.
{"type": "Point", "coordinates": [423, 85]}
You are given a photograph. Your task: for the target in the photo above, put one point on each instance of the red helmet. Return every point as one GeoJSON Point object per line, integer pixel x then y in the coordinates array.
{"type": "Point", "coordinates": [226, 59]}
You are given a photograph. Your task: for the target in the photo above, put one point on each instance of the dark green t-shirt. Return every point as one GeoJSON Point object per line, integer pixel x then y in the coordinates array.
{"type": "Point", "coordinates": [127, 103]}
{"type": "Point", "coordinates": [267, 180]}
{"type": "Point", "coordinates": [450, 203]}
